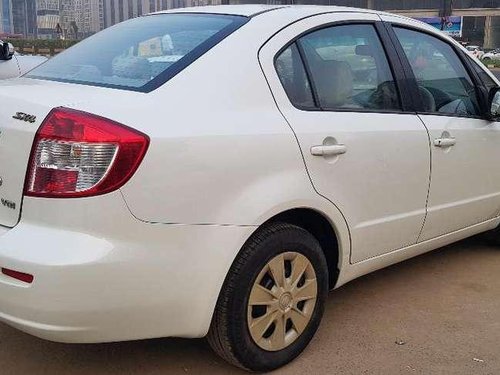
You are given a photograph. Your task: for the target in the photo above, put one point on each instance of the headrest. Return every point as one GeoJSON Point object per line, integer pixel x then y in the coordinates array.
{"type": "Point", "coordinates": [364, 50]}
{"type": "Point", "coordinates": [131, 67]}
{"type": "Point", "coordinates": [334, 83]}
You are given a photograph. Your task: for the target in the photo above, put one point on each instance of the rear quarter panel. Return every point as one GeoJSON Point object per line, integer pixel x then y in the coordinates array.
{"type": "Point", "coordinates": [220, 152]}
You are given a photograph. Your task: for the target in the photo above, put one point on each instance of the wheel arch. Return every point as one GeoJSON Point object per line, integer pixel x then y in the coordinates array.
{"type": "Point", "coordinates": [325, 222]}
{"type": "Point", "coordinates": [322, 229]}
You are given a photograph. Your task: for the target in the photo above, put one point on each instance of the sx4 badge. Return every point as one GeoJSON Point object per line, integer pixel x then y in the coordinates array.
{"type": "Point", "coordinates": [24, 117]}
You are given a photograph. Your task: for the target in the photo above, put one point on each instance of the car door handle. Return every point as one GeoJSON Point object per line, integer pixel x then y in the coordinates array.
{"type": "Point", "coordinates": [328, 150]}
{"type": "Point", "coordinates": [444, 142]}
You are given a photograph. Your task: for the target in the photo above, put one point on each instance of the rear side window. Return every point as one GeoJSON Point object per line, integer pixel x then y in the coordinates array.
{"type": "Point", "coordinates": [347, 66]}
{"type": "Point", "coordinates": [294, 78]}
{"type": "Point", "coordinates": [140, 54]}
{"type": "Point", "coordinates": [349, 69]}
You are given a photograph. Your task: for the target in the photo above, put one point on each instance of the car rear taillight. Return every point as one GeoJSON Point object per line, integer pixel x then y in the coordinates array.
{"type": "Point", "coordinates": [78, 154]}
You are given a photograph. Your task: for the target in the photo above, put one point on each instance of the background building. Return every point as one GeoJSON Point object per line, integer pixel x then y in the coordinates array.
{"type": "Point", "coordinates": [81, 18]}
{"type": "Point", "coordinates": [48, 14]}
{"type": "Point", "coordinates": [6, 21]}
{"type": "Point", "coordinates": [116, 11]}
{"type": "Point", "coordinates": [24, 18]}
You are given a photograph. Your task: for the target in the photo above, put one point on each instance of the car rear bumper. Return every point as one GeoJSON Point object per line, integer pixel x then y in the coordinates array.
{"type": "Point", "coordinates": [115, 279]}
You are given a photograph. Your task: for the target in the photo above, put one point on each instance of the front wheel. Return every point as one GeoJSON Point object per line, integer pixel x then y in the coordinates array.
{"type": "Point", "coordinates": [272, 300]}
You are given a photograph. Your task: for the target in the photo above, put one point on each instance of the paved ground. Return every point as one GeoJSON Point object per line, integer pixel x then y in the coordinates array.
{"type": "Point", "coordinates": [444, 306]}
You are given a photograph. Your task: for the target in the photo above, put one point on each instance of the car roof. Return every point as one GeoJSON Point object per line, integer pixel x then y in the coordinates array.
{"type": "Point", "coordinates": [289, 12]}
{"type": "Point", "coordinates": [251, 10]}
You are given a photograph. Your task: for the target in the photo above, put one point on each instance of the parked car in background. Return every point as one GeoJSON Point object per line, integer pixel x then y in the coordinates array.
{"type": "Point", "coordinates": [492, 55]}
{"type": "Point", "coordinates": [14, 65]}
{"type": "Point", "coordinates": [475, 51]}
{"type": "Point", "coordinates": [160, 180]}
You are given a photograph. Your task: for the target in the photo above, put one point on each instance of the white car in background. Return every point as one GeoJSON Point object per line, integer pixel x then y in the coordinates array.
{"type": "Point", "coordinates": [14, 65]}
{"type": "Point", "coordinates": [492, 55]}
{"type": "Point", "coordinates": [217, 170]}
{"type": "Point", "coordinates": [475, 51]}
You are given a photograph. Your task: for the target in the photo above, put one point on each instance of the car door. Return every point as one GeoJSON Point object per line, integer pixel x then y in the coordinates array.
{"type": "Point", "coordinates": [465, 180]}
{"type": "Point", "coordinates": [365, 151]}
{"type": "Point", "coordinates": [9, 68]}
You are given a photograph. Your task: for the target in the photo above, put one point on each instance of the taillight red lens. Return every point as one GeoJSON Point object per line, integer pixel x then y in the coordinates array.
{"type": "Point", "coordinates": [78, 154]}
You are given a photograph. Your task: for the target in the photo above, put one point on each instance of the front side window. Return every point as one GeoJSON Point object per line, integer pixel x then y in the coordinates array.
{"type": "Point", "coordinates": [443, 82]}
{"type": "Point", "coordinates": [349, 68]}
{"type": "Point", "coordinates": [139, 54]}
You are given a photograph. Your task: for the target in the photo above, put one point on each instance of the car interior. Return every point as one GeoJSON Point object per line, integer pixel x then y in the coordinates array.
{"type": "Point", "coordinates": [443, 83]}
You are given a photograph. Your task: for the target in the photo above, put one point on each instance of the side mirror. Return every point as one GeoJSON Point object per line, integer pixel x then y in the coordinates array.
{"type": "Point", "coordinates": [494, 104]}
{"type": "Point", "coordinates": [7, 51]}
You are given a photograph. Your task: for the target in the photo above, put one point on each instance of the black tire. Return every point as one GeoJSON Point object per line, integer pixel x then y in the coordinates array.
{"type": "Point", "coordinates": [492, 236]}
{"type": "Point", "coordinates": [229, 335]}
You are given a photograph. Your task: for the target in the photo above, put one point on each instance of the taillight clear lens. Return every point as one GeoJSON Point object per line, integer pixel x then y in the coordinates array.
{"type": "Point", "coordinates": [77, 154]}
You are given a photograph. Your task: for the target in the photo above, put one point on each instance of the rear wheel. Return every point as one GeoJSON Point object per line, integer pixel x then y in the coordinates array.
{"type": "Point", "coordinates": [272, 300]}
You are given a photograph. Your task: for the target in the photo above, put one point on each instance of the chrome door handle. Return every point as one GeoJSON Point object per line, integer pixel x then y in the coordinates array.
{"type": "Point", "coordinates": [444, 142]}
{"type": "Point", "coordinates": [328, 150]}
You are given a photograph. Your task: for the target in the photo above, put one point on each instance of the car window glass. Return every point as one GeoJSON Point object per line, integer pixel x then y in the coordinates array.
{"type": "Point", "coordinates": [444, 84]}
{"type": "Point", "coordinates": [134, 53]}
{"type": "Point", "coordinates": [293, 77]}
{"type": "Point", "coordinates": [349, 68]}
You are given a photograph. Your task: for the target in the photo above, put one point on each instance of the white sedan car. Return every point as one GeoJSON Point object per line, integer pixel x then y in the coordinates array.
{"type": "Point", "coordinates": [13, 65]}
{"type": "Point", "coordinates": [216, 171]}
{"type": "Point", "coordinates": [475, 51]}
{"type": "Point", "coordinates": [492, 55]}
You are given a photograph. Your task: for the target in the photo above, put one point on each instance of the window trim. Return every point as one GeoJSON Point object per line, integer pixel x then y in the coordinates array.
{"type": "Point", "coordinates": [299, 50]}
{"type": "Point", "coordinates": [412, 81]}
{"type": "Point", "coordinates": [481, 84]}
{"type": "Point", "coordinates": [174, 69]}
{"type": "Point", "coordinates": [394, 66]}
{"type": "Point", "coordinates": [307, 69]}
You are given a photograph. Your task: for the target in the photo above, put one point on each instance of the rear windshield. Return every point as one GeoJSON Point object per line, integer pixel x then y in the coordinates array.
{"type": "Point", "coordinates": [140, 54]}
